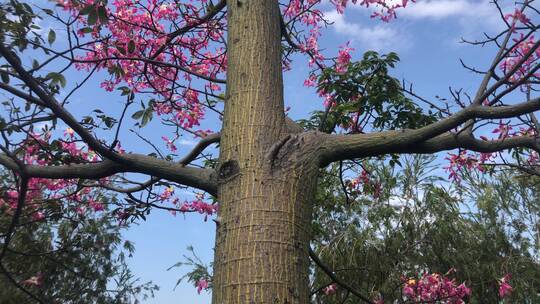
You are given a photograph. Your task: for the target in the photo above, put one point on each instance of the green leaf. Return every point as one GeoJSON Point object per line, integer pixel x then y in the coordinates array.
{"type": "Point", "coordinates": [52, 37]}
{"type": "Point", "coordinates": [121, 50]}
{"type": "Point", "coordinates": [5, 77]}
{"type": "Point", "coordinates": [138, 114]}
{"type": "Point", "coordinates": [125, 90]}
{"type": "Point", "coordinates": [56, 78]}
{"type": "Point", "coordinates": [102, 14]}
{"type": "Point", "coordinates": [147, 117]}
{"type": "Point", "coordinates": [86, 10]}
{"type": "Point", "coordinates": [87, 30]}
{"type": "Point", "coordinates": [92, 17]}
{"type": "Point", "coordinates": [131, 46]}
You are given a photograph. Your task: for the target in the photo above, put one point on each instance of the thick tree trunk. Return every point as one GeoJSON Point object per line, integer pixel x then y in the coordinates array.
{"type": "Point", "coordinates": [265, 181]}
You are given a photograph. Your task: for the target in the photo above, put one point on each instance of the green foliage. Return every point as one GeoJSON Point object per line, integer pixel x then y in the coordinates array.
{"type": "Point", "coordinates": [82, 259]}
{"type": "Point", "coordinates": [368, 90]}
{"type": "Point", "coordinates": [483, 228]}
{"type": "Point", "coordinates": [17, 22]}
{"type": "Point", "coordinates": [145, 115]}
{"type": "Point", "coordinates": [199, 270]}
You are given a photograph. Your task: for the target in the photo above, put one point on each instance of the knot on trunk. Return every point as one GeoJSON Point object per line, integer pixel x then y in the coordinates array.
{"type": "Point", "coordinates": [228, 170]}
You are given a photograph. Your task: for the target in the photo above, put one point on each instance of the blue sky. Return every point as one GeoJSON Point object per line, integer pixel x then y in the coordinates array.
{"type": "Point", "coordinates": [426, 36]}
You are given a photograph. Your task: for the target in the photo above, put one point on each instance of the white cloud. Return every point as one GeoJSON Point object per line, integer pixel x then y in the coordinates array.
{"type": "Point", "coordinates": [185, 142]}
{"type": "Point", "coordinates": [379, 37]}
{"type": "Point", "coordinates": [471, 15]}
{"type": "Point", "coordinates": [466, 18]}
{"type": "Point", "coordinates": [437, 9]}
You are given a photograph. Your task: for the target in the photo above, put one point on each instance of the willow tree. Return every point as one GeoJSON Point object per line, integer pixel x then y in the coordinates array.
{"type": "Point", "coordinates": [174, 55]}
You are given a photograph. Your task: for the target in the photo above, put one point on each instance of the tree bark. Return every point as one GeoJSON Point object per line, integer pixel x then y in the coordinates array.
{"type": "Point", "coordinates": [264, 179]}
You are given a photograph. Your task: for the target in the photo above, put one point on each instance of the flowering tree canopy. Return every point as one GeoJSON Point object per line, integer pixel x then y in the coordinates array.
{"type": "Point", "coordinates": [184, 62]}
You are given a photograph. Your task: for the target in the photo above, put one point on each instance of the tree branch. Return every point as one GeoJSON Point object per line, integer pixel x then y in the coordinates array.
{"type": "Point", "coordinates": [334, 278]}
{"type": "Point", "coordinates": [186, 160]}
{"type": "Point", "coordinates": [203, 179]}
{"type": "Point", "coordinates": [209, 15]}
{"type": "Point", "coordinates": [51, 103]}
{"type": "Point", "coordinates": [201, 145]}
{"type": "Point", "coordinates": [429, 138]}
{"type": "Point", "coordinates": [22, 94]}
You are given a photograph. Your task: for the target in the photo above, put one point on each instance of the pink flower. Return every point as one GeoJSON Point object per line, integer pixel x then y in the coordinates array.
{"type": "Point", "coordinates": [503, 129]}
{"type": "Point", "coordinates": [330, 289]}
{"type": "Point", "coordinates": [201, 284]}
{"type": "Point", "coordinates": [408, 291]}
{"type": "Point", "coordinates": [434, 287]}
{"type": "Point", "coordinates": [311, 81]}
{"type": "Point", "coordinates": [69, 132]}
{"type": "Point", "coordinates": [344, 58]}
{"type": "Point", "coordinates": [169, 143]}
{"type": "Point", "coordinates": [97, 206]}
{"type": "Point", "coordinates": [517, 16]}
{"type": "Point", "coordinates": [38, 216]}
{"type": "Point", "coordinates": [36, 280]}
{"type": "Point", "coordinates": [505, 289]}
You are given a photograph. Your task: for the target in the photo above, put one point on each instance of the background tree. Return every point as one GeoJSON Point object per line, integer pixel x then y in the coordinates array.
{"type": "Point", "coordinates": [64, 256]}
{"type": "Point", "coordinates": [171, 57]}
{"type": "Point", "coordinates": [483, 228]}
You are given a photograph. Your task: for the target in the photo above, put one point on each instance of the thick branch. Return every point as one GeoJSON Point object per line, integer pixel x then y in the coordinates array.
{"type": "Point", "coordinates": [22, 94]}
{"type": "Point", "coordinates": [186, 160]}
{"type": "Point", "coordinates": [385, 143]}
{"type": "Point", "coordinates": [203, 179]}
{"type": "Point", "coordinates": [341, 147]}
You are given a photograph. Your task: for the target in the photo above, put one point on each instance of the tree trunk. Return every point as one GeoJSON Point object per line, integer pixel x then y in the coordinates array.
{"type": "Point", "coordinates": [265, 181]}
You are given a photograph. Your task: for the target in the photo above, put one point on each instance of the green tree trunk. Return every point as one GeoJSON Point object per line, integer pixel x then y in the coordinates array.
{"type": "Point", "coordinates": [265, 183]}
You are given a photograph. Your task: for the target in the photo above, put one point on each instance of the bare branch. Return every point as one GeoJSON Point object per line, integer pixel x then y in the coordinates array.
{"type": "Point", "coordinates": [201, 145]}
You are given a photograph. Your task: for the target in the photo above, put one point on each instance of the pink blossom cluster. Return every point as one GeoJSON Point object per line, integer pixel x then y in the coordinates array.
{"type": "Point", "coordinates": [475, 161]}
{"type": "Point", "coordinates": [170, 143]}
{"type": "Point", "coordinates": [524, 46]}
{"type": "Point", "coordinates": [135, 30]}
{"type": "Point", "coordinates": [202, 284]}
{"type": "Point", "coordinates": [516, 59]}
{"type": "Point", "coordinates": [306, 12]}
{"type": "Point", "coordinates": [330, 289]}
{"type": "Point", "coordinates": [457, 162]}
{"type": "Point", "coordinates": [41, 190]}
{"type": "Point", "coordinates": [344, 58]}
{"type": "Point", "coordinates": [435, 288]}
{"type": "Point", "coordinates": [197, 205]}
{"type": "Point", "coordinates": [386, 10]}
{"type": "Point", "coordinates": [505, 289]}
{"type": "Point", "coordinates": [200, 207]}
{"type": "Point", "coordinates": [365, 182]}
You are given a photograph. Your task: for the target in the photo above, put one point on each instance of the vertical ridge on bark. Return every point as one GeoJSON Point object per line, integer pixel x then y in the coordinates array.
{"type": "Point", "coordinates": [261, 242]}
